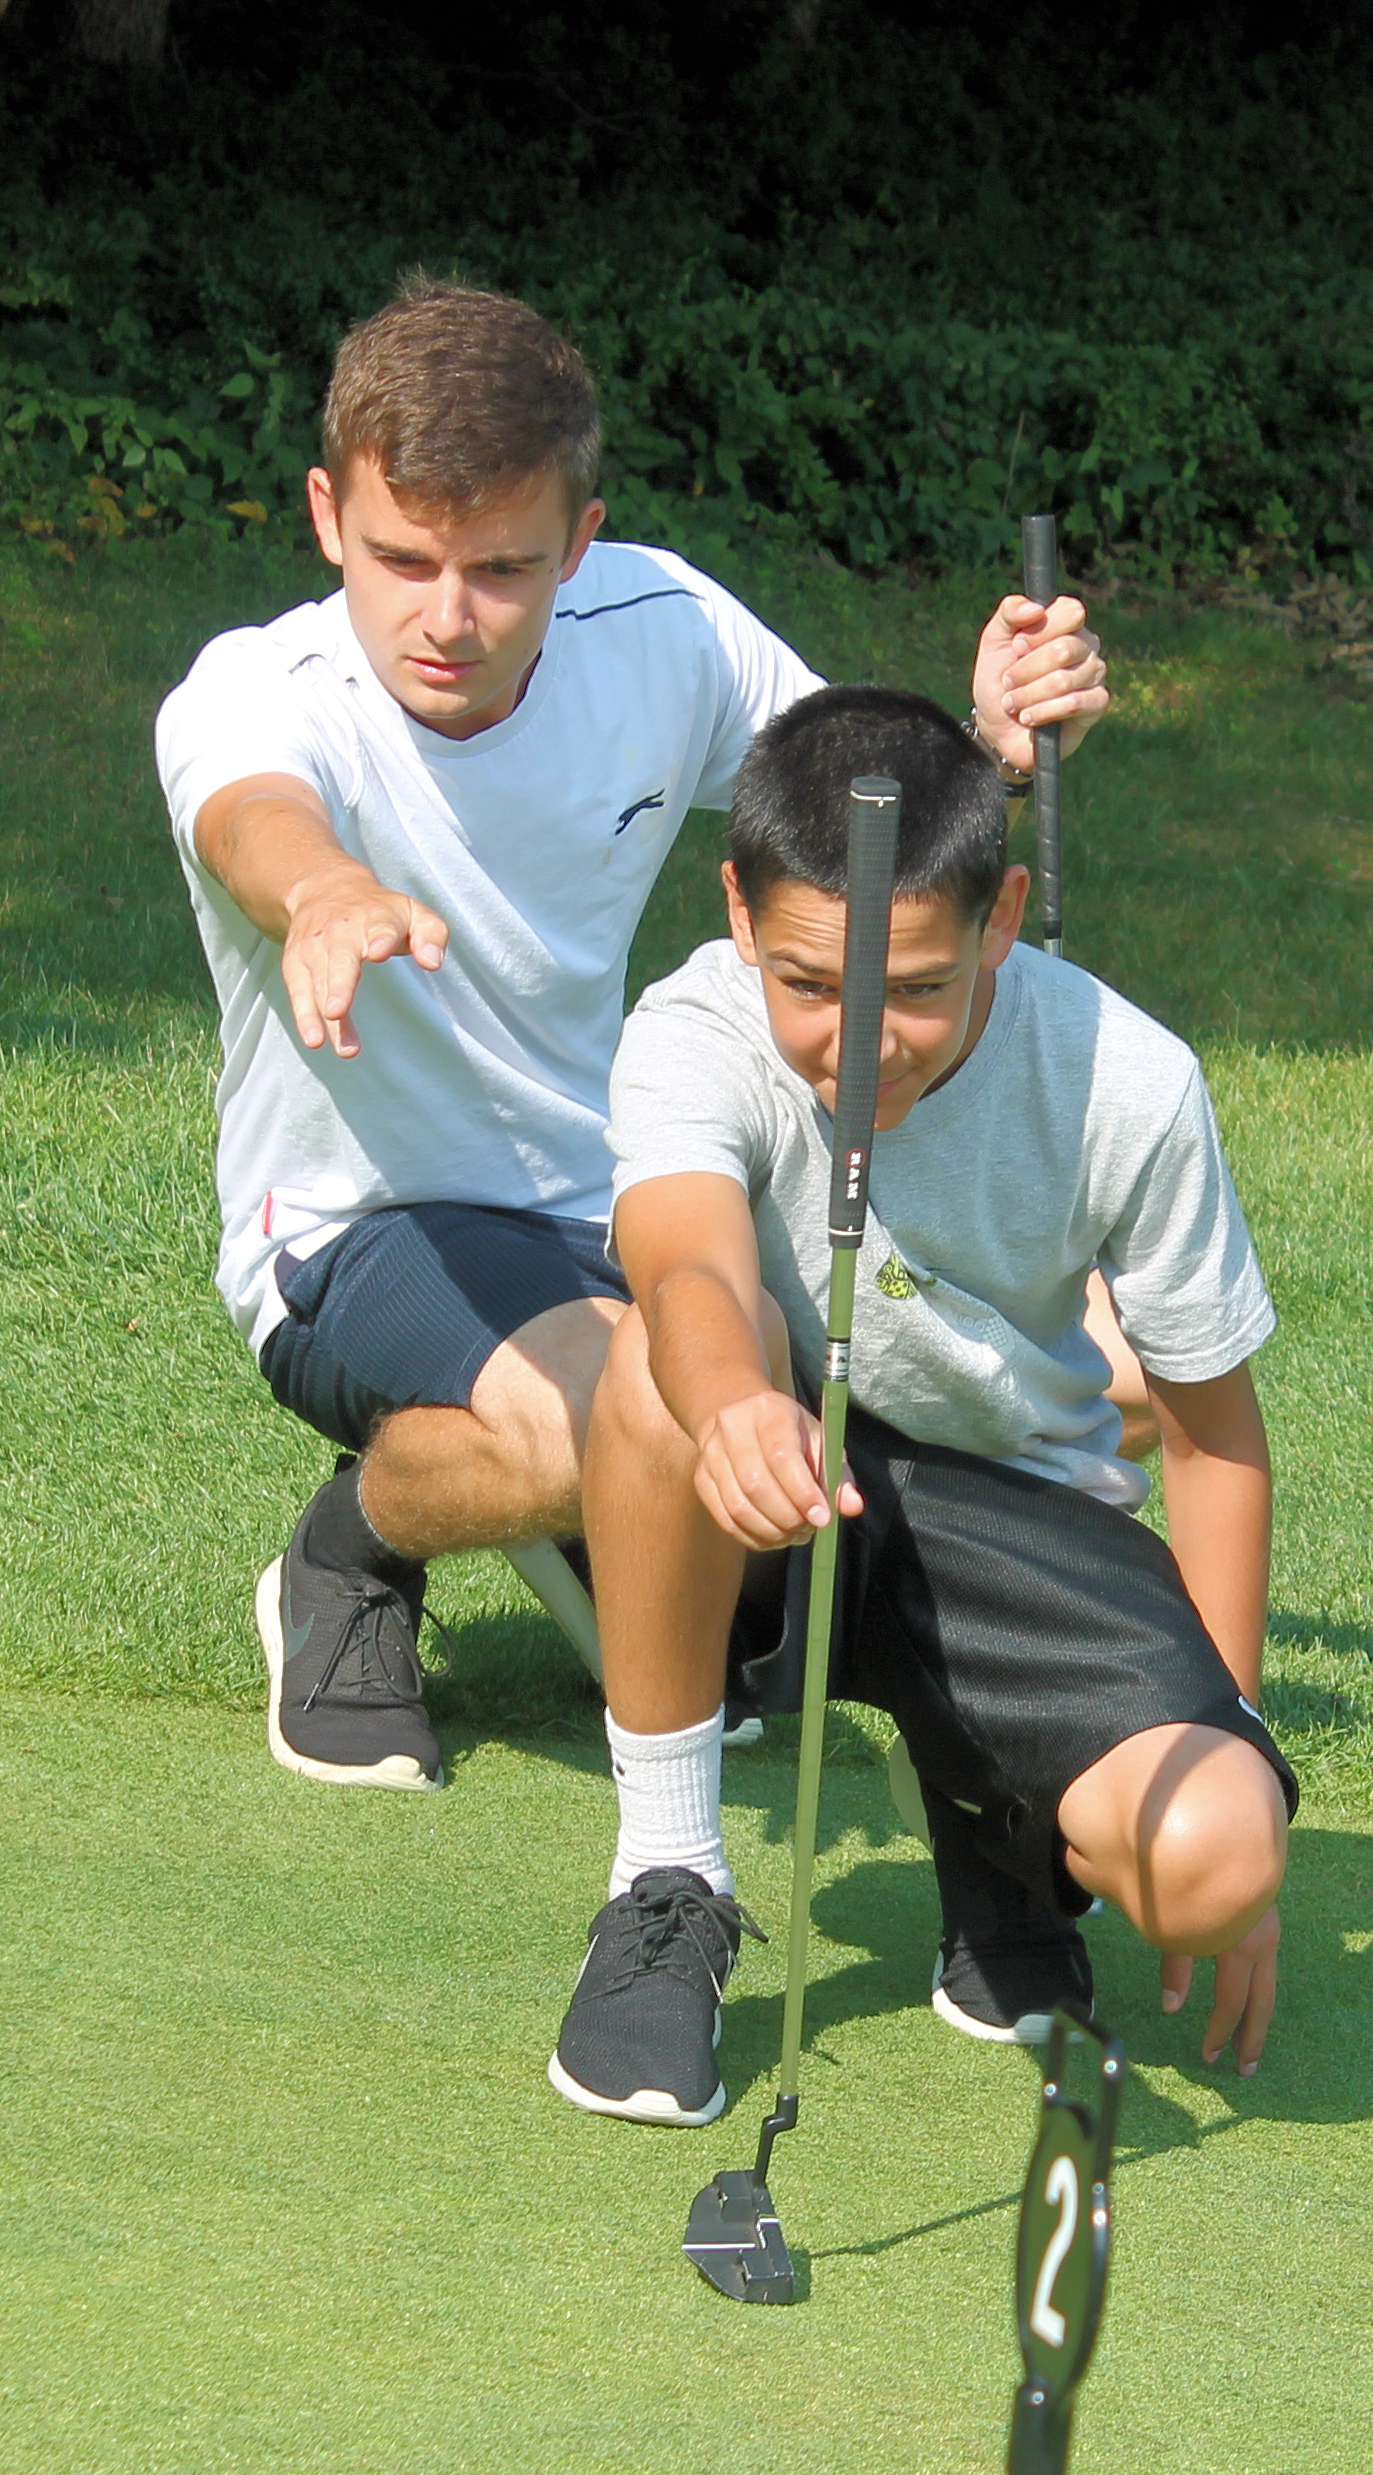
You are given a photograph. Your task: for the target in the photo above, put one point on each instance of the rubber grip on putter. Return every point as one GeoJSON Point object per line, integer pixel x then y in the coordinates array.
{"type": "Point", "coordinates": [1039, 540]}
{"type": "Point", "coordinates": [874, 815]}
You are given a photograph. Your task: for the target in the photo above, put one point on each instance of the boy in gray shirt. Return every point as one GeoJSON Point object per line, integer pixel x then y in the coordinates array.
{"type": "Point", "coordinates": [1079, 1703]}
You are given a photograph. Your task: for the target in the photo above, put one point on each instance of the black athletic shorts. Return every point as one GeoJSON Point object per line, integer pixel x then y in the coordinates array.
{"type": "Point", "coordinates": [407, 1306]}
{"type": "Point", "coordinates": [1014, 1628]}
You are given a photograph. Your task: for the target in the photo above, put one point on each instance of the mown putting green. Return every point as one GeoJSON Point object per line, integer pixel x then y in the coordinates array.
{"type": "Point", "coordinates": [286, 2187]}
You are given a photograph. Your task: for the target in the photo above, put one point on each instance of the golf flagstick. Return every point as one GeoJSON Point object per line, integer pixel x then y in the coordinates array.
{"type": "Point", "coordinates": [732, 2234]}
{"type": "Point", "coordinates": [1039, 539]}
{"type": "Point", "coordinates": [559, 1592]}
{"type": "Point", "coordinates": [1063, 2249]}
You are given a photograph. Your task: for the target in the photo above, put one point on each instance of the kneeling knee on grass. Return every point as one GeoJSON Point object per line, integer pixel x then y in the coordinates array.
{"type": "Point", "coordinates": [1185, 1829]}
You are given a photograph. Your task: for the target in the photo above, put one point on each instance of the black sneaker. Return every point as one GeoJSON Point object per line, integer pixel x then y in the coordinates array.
{"type": "Point", "coordinates": [345, 1699]}
{"type": "Point", "coordinates": [1006, 1962]}
{"type": "Point", "coordinates": [641, 2029]}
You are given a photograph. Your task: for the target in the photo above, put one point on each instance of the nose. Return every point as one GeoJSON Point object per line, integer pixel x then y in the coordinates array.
{"type": "Point", "coordinates": [890, 1048]}
{"type": "Point", "coordinates": [448, 611]}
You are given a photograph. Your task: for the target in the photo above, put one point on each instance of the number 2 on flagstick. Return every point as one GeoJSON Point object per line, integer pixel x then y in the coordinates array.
{"type": "Point", "coordinates": [1060, 2190]}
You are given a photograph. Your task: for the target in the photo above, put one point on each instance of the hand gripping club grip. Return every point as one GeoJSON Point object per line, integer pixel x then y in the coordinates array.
{"type": "Point", "coordinates": [1039, 538]}
{"type": "Point", "coordinates": [874, 815]}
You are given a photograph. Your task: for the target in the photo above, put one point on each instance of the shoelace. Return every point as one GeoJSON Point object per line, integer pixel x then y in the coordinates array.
{"type": "Point", "coordinates": [657, 1918]}
{"type": "Point", "coordinates": [363, 1631]}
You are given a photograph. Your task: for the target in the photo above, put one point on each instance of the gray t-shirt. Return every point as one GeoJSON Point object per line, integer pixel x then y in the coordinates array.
{"type": "Point", "coordinates": [1078, 1131]}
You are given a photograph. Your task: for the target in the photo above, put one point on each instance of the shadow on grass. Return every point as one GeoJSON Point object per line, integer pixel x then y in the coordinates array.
{"type": "Point", "coordinates": [1319, 2066]}
{"type": "Point", "coordinates": [1320, 1633]}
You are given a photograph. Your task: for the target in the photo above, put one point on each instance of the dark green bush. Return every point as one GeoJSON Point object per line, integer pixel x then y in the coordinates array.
{"type": "Point", "coordinates": [803, 319]}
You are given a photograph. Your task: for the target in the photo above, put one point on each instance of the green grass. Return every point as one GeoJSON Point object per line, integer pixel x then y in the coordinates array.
{"type": "Point", "coordinates": [285, 2188]}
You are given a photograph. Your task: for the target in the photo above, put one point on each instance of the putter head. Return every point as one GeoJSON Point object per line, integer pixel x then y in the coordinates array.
{"type": "Point", "coordinates": [735, 2241]}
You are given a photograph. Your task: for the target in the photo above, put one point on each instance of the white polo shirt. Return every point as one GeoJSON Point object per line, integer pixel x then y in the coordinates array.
{"type": "Point", "coordinates": [538, 842]}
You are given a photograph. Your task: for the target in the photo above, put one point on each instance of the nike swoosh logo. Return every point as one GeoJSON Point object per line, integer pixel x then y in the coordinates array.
{"type": "Point", "coordinates": [294, 1636]}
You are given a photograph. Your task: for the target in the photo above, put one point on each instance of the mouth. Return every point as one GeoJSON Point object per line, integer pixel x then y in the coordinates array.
{"type": "Point", "coordinates": [440, 674]}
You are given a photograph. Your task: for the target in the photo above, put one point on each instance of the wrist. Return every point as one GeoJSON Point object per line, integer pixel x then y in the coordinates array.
{"type": "Point", "coordinates": [335, 880]}
{"type": "Point", "coordinates": [1014, 782]}
{"type": "Point", "coordinates": [731, 1394]}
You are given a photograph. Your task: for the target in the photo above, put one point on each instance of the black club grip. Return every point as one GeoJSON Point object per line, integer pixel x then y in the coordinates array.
{"type": "Point", "coordinates": [874, 815]}
{"type": "Point", "coordinates": [1039, 539]}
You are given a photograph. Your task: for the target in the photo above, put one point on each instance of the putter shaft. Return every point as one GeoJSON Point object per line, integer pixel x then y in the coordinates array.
{"type": "Point", "coordinates": [732, 2234]}
{"type": "Point", "coordinates": [1039, 540]}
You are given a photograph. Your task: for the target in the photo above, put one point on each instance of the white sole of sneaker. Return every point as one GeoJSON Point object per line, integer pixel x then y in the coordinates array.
{"type": "Point", "coordinates": [1032, 2028]}
{"type": "Point", "coordinates": [647, 2105]}
{"type": "Point", "coordinates": [749, 1731]}
{"type": "Point", "coordinates": [399, 1770]}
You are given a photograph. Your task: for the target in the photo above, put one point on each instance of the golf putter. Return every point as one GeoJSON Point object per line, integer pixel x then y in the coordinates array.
{"type": "Point", "coordinates": [1039, 537]}
{"type": "Point", "coordinates": [1063, 2250]}
{"type": "Point", "coordinates": [732, 2234]}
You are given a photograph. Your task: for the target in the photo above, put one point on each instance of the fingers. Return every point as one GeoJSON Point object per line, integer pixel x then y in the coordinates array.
{"type": "Point", "coordinates": [329, 941]}
{"type": "Point", "coordinates": [1175, 1979]}
{"type": "Point", "coordinates": [1246, 1993]}
{"type": "Point", "coordinates": [757, 1473]}
{"type": "Point", "coordinates": [1057, 674]}
{"type": "Point", "coordinates": [1037, 665]}
{"type": "Point", "coordinates": [315, 982]}
{"type": "Point", "coordinates": [428, 936]}
{"type": "Point", "coordinates": [756, 1476]}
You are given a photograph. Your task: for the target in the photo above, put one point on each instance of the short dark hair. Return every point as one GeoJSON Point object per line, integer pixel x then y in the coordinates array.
{"type": "Point", "coordinates": [789, 821]}
{"type": "Point", "coordinates": [460, 395]}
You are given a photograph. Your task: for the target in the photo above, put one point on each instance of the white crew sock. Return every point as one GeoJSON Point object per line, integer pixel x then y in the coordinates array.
{"type": "Point", "coordinates": [669, 1791]}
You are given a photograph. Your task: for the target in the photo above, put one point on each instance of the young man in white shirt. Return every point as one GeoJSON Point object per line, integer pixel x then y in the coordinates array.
{"type": "Point", "coordinates": [468, 766]}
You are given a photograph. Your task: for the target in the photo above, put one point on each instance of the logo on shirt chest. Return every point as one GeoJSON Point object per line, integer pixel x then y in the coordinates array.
{"type": "Point", "coordinates": [895, 1279]}
{"type": "Point", "coordinates": [655, 799]}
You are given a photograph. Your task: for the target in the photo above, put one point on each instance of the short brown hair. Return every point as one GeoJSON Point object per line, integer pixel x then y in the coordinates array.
{"type": "Point", "coordinates": [458, 395]}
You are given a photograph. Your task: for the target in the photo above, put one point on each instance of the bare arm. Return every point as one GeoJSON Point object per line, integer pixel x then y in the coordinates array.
{"type": "Point", "coordinates": [691, 1259]}
{"type": "Point", "coordinates": [269, 841]}
{"type": "Point", "coordinates": [1218, 1494]}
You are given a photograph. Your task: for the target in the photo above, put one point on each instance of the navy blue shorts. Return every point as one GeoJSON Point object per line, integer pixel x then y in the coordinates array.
{"type": "Point", "coordinates": [407, 1306]}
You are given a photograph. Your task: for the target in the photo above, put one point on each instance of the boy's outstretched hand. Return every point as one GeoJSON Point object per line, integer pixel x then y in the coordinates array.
{"type": "Point", "coordinates": [1246, 1990]}
{"type": "Point", "coordinates": [1035, 665]}
{"type": "Point", "coordinates": [757, 1475]}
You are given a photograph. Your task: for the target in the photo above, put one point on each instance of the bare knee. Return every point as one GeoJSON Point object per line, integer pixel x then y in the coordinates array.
{"type": "Point", "coordinates": [1214, 1862]}
{"type": "Point", "coordinates": [1184, 1828]}
{"type": "Point", "coordinates": [630, 1412]}
{"type": "Point", "coordinates": [438, 1479]}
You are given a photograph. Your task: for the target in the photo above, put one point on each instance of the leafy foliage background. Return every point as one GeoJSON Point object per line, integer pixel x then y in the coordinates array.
{"type": "Point", "coordinates": [875, 282]}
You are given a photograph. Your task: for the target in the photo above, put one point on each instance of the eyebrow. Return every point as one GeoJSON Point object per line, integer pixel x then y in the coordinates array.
{"type": "Point", "coordinates": [407, 550]}
{"type": "Point", "coordinates": [895, 979]}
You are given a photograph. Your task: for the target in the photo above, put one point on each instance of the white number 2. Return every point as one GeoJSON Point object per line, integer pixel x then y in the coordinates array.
{"type": "Point", "coordinates": [1060, 2189]}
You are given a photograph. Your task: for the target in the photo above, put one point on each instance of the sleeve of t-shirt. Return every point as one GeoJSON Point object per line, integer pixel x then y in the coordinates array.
{"type": "Point", "coordinates": [1180, 1263]}
{"type": "Point", "coordinates": [757, 675]}
{"type": "Point", "coordinates": [238, 712]}
{"type": "Point", "coordinates": [686, 1095]}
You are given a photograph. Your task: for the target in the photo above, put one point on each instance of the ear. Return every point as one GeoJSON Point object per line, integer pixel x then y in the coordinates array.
{"type": "Point", "coordinates": [1004, 919]}
{"type": "Point", "coordinates": [584, 532]}
{"type": "Point", "coordinates": [324, 513]}
{"type": "Point", "coordinates": [740, 916]}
